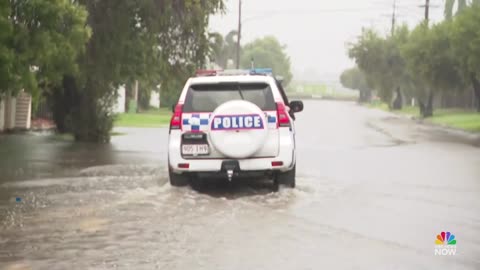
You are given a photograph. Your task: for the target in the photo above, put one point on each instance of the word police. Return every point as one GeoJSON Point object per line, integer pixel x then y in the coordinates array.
{"type": "Point", "coordinates": [228, 122]}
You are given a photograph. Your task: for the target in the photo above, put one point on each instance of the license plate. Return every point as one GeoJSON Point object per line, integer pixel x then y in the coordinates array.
{"type": "Point", "coordinates": [195, 149]}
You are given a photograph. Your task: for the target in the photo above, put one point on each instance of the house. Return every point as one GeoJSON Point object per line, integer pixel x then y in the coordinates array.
{"type": "Point", "coordinates": [15, 112]}
{"type": "Point", "coordinates": [119, 106]}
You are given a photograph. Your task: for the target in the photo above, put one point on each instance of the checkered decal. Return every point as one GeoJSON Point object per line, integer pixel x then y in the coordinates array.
{"type": "Point", "coordinates": [272, 120]}
{"type": "Point", "coordinates": [196, 122]}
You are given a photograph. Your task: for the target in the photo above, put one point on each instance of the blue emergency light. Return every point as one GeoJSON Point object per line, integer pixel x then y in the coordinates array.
{"type": "Point", "coordinates": [264, 71]}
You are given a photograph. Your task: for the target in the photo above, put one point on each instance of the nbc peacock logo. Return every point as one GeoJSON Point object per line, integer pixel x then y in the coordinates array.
{"type": "Point", "coordinates": [445, 244]}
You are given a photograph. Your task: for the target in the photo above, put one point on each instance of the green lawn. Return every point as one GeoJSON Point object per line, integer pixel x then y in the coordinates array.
{"type": "Point", "coordinates": [456, 118]}
{"type": "Point", "coordinates": [465, 120]}
{"type": "Point", "coordinates": [378, 105]}
{"type": "Point", "coordinates": [150, 119]}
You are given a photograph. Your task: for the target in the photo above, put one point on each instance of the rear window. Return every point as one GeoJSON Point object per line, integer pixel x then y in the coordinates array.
{"type": "Point", "coordinates": [207, 97]}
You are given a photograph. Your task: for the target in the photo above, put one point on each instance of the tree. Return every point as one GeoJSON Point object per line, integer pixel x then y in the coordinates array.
{"type": "Point", "coordinates": [380, 60]}
{"type": "Point", "coordinates": [146, 40]}
{"type": "Point", "coordinates": [465, 37]}
{"type": "Point", "coordinates": [431, 61]}
{"type": "Point", "coordinates": [354, 78]}
{"type": "Point", "coordinates": [267, 52]}
{"type": "Point", "coordinates": [39, 40]}
{"type": "Point", "coordinates": [461, 5]}
{"type": "Point", "coordinates": [223, 49]}
{"type": "Point", "coordinates": [6, 50]}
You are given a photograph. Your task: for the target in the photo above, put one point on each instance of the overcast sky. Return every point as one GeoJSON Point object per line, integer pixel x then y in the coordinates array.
{"type": "Point", "coordinates": [316, 31]}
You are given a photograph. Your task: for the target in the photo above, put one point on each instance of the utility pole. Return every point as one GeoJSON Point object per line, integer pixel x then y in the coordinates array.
{"type": "Point", "coordinates": [427, 7]}
{"type": "Point", "coordinates": [239, 34]}
{"type": "Point", "coordinates": [394, 15]}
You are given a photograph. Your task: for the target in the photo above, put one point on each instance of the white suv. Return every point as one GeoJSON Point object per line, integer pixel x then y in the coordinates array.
{"type": "Point", "coordinates": [232, 125]}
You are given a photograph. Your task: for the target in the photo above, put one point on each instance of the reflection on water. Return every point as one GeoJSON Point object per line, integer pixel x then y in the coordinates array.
{"type": "Point", "coordinates": [37, 155]}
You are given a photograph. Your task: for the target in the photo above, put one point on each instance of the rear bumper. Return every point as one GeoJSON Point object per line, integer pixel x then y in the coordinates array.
{"type": "Point", "coordinates": [286, 155]}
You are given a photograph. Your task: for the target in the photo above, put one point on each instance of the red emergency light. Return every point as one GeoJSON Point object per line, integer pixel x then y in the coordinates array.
{"type": "Point", "coordinates": [206, 72]}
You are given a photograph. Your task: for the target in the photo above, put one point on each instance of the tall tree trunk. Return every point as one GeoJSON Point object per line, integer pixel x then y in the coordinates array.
{"type": "Point", "coordinates": [476, 91]}
{"type": "Point", "coordinates": [365, 95]}
{"type": "Point", "coordinates": [426, 110]}
{"type": "Point", "coordinates": [63, 100]}
{"type": "Point", "coordinates": [92, 118]}
{"type": "Point", "coordinates": [397, 103]}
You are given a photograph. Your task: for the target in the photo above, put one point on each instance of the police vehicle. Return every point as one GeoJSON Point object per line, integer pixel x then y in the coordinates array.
{"type": "Point", "coordinates": [233, 124]}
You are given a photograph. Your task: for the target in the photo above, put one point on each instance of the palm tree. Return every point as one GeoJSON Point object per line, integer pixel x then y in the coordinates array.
{"type": "Point", "coordinates": [461, 5]}
{"type": "Point", "coordinates": [217, 45]}
{"type": "Point", "coordinates": [222, 49]}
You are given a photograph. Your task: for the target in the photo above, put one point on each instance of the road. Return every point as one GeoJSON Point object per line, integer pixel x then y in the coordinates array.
{"type": "Point", "coordinates": [373, 192]}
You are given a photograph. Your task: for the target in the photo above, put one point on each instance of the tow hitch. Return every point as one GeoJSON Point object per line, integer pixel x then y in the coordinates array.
{"type": "Point", "coordinates": [230, 167]}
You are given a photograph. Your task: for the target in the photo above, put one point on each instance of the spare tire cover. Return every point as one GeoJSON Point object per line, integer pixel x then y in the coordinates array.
{"type": "Point", "coordinates": [238, 129]}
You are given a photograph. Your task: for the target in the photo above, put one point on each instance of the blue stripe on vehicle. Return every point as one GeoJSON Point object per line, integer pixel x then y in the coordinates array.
{"type": "Point", "coordinates": [186, 121]}
{"type": "Point", "coordinates": [195, 128]}
{"type": "Point", "coordinates": [203, 122]}
{"type": "Point", "coordinates": [196, 115]}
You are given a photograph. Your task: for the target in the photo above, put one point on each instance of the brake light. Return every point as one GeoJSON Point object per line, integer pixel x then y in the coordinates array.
{"type": "Point", "coordinates": [176, 122]}
{"type": "Point", "coordinates": [282, 114]}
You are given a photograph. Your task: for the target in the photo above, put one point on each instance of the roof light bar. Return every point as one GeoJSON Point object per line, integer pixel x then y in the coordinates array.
{"type": "Point", "coordinates": [265, 71]}
{"type": "Point", "coordinates": [234, 72]}
{"type": "Point", "coordinates": [207, 72]}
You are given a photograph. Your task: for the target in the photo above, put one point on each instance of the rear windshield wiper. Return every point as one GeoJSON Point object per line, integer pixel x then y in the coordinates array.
{"type": "Point", "coordinates": [240, 92]}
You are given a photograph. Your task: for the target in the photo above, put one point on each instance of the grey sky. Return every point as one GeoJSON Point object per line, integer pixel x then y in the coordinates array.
{"type": "Point", "coordinates": [316, 32]}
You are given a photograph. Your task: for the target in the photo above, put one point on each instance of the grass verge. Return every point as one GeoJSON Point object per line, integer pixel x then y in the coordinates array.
{"type": "Point", "coordinates": [455, 118]}
{"type": "Point", "coordinates": [149, 119]}
{"type": "Point", "coordinates": [465, 120]}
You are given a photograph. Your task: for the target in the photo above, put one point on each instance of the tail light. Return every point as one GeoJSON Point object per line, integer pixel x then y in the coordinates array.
{"type": "Point", "coordinates": [176, 122]}
{"type": "Point", "coordinates": [277, 163]}
{"type": "Point", "coordinates": [282, 114]}
{"type": "Point", "coordinates": [183, 165]}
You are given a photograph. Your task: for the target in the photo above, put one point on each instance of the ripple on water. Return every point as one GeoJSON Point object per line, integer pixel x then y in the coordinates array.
{"type": "Point", "coordinates": [128, 211]}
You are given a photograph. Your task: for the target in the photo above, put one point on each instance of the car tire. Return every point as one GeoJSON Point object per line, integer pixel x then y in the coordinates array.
{"type": "Point", "coordinates": [288, 178]}
{"type": "Point", "coordinates": [178, 180]}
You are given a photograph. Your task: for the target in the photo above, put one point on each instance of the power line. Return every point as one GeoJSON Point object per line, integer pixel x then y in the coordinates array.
{"type": "Point", "coordinates": [311, 11]}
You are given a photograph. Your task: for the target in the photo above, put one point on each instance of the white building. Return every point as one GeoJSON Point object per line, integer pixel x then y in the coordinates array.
{"type": "Point", "coordinates": [119, 106]}
{"type": "Point", "coordinates": [15, 112]}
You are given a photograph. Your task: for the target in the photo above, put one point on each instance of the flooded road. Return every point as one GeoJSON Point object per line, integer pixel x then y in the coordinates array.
{"type": "Point", "coordinates": [373, 192]}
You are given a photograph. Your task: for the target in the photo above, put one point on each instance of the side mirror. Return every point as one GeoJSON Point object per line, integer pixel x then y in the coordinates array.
{"type": "Point", "coordinates": [296, 106]}
{"type": "Point", "coordinates": [173, 108]}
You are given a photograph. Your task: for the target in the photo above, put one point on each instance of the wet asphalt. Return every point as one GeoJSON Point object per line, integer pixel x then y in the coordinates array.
{"type": "Point", "coordinates": [373, 191]}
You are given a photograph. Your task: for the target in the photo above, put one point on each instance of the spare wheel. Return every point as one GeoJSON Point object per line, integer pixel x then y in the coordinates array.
{"type": "Point", "coordinates": [238, 129]}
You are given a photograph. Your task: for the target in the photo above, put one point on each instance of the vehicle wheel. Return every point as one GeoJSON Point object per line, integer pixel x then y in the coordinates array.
{"type": "Point", "coordinates": [177, 180]}
{"type": "Point", "coordinates": [288, 178]}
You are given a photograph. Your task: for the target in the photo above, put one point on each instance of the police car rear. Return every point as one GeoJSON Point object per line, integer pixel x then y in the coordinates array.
{"type": "Point", "coordinates": [229, 125]}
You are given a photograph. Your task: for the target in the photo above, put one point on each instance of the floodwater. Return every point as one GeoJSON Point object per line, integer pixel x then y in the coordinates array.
{"type": "Point", "coordinates": [373, 192]}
